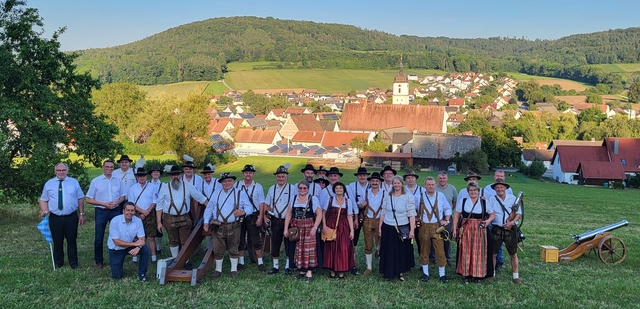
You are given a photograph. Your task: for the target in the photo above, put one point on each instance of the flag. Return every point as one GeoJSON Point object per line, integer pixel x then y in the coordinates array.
{"type": "Point", "coordinates": [43, 227]}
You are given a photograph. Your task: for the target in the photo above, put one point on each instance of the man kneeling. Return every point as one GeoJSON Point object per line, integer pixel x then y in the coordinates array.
{"type": "Point", "coordinates": [126, 236]}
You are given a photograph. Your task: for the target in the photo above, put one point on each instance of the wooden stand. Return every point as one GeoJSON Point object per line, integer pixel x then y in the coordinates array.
{"type": "Point", "coordinates": [610, 249]}
{"type": "Point", "coordinates": [175, 271]}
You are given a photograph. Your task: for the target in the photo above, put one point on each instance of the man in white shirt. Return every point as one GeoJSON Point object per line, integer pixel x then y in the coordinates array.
{"type": "Point", "coordinates": [498, 176]}
{"type": "Point", "coordinates": [359, 189]}
{"type": "Point", "coordinates": [503, 230]}
{"type": "Point", "coordinates": [373, 203]}
{"type": "Point", "coordinates": [126, 174]}
{"type": "Point", "coordinates": [251, 197]}
{"type": "Point", "coordinates": [387, 174]}
{"type": "Point", "coordinates": [434, 214]}
{"type": "Point", "coordinates": [309, 173]}
{"type": "Point", "coordinates": [142, 195]}
{"type": "Point", "coordinates": [275, 207]}
{"type": "Point", "coordinates": [106, 194]}
{"type": "Point", "coordinates": [173, 209]}
{"type": "Point", "coordinates": [62, 199]}
{"type": "Point", "coordinates": [126, 236]}
{"type": "Point", "coordinates": [196, 181]}
{"type": "Point", "coordinates": [156, 185]}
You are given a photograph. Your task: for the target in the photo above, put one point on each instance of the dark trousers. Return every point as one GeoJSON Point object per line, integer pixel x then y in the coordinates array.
{"type": "Point", "coordinates": [103, 217]}
{"type": "Point", "coordinates": [277, 238]}
{"type": "Point", "coordinates": [499, 257]}
{"type": "Point", "coordinates": [64, 227]}
{"type": "Point", "coordinates": [116, 259]}
{"type": "Point", "coordinates": [356, 233]}
{"type": "Point", "coordinates": [249, 229]}
{"type": "Point", "coordinates": [319, 250]}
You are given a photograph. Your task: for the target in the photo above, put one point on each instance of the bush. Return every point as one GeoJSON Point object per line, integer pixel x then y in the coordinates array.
{"type": "Point", "coordinates": [617, 185]}
{"type": "Point", "coordinates": [536, 169]}
{"type": "Point", "coordinates": [161, 163]}
{"type": "Point", "coordinates": [219, 159]}
{"type": "Point", "coordinates": [474, 160]}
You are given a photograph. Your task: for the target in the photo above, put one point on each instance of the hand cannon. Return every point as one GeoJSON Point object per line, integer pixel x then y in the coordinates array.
{"type": "Point", "coordinates": [610, 249]}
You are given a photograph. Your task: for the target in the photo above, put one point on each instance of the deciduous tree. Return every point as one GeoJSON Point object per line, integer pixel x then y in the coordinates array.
{"type": "Point", "coordinates": [634, 92]}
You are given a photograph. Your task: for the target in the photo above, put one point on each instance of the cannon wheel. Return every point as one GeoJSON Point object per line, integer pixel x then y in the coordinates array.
{"type": "Point", "coordinates": [612, 250]}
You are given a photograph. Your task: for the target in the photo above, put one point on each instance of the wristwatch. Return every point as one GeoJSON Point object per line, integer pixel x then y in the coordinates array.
{"type": "Point", "coordinates": [82, 214]}
{"type": "Point", "coordinates": [140, 247]}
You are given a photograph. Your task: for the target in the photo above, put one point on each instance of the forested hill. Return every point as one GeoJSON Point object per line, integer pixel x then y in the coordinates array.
{"type": "Point", "coordinates": [200, 51]}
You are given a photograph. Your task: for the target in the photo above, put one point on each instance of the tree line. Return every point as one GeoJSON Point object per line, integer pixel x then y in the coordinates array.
{"type": "Point", "coordinates": [202, 50]}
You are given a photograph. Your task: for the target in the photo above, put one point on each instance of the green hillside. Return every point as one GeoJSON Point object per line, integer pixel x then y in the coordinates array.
{"type": "Point", "coordinates": [202, 50]}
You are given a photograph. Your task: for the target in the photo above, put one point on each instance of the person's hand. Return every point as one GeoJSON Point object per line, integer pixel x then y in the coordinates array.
{"type": "Point", "coordinates": [238, 213]}
{"type": "Point", "coordinates": [443, 223]}
{"type": "Point", "coordinates": [134, 251]}
{"type": "Point", "coordinates": [363, 204]}
{"type": "Point", "coordinates": [160, 227]}
{"type": "Point", "coordinates": [43, 213]}
{"type": "Point", "coordinates": [356, 222]}
{"type": "Point", "coordinates": [454, 234]}
{"type": "Point", "coordinates": [81, 220]}
{"type": "Point", "coordinates": [380, 232]}
{"type": "Point", "coordinates": [259, 222]}
{"type": "Point", "coordinates": [286, 232]}
{"type": "Point", "coordinates": [411, 234]}
{"type": "Point", "coordinates": [351, 234]}
{"type": "Point", "coordinates": [142, 216]}
{"type": "Point", "coordinates": [508, 225]}
{"type": "Point", "coordinates": [206, 227]}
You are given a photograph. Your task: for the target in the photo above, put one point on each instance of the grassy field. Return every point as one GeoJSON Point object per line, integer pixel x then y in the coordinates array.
{"type": "Point", "coordinates": [620, 67]}
{"type": "Point", "coordinates": [543, 80]}
{"type": "Point", "coordinates": [178, 89]}
{"type": "Point", "coordinates": [552, 212]}
{"type": "Point", "coordinates": [215, 88]}
{"type": "Point", "coordinates": [242, 77]}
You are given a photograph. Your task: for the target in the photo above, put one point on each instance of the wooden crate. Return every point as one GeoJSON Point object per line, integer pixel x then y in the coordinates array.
{"type": "Point", "coordinates": [549, 254]}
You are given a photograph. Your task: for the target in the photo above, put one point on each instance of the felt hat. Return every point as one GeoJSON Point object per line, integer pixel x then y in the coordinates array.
{"type": "Point", "coordinates": [410, 172]}
{"type": "Point", "coordinates": [282, 170]}
{"type": "Point", "coordinates": [361, 171]}
{"type": "Point", "coordinates": [208, 169]}
{"type": "Point", "coordinates": [156, 168]}
{"type": "Point", "coordinates": [375, 175]}
{"type": "Point", "coordinates": [388, 168]}
{"type": "Point", "coordinates": [140, 172]}
{"type": "Point", "coordinates": [499, 182]}
{"type": "Point", "coordinates": [224, 176]}
{"type": "Point", "coordinates": [249, 168]}
{"type": "Point", "coordinates": [188, 164]}
{"type": "Point", "coordinates": [322, 179]}
{"type": "Point", "coordinates": [309, 167]}
{"type": "Point", "coordinates": [321, 168]}
{"type": "Point", "coordinates": [124, 158]}
{"type": "Point", "coordinates": [472, 175]}
{"type": "Point", "coordinates": [334, 170]}
{"type": "Point", "coordinates": [175, 170]}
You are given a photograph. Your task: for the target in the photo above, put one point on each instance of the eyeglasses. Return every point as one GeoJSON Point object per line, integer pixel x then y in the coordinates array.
{"type": "Point", "coordinates": [61, 170]}
{"type": "Point", "coordinates": [303, 188]}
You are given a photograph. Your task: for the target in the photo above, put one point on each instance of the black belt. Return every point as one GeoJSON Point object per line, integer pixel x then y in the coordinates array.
{"type": "Point", "coordinates": [63, 216]}
{"type": "Point", "coordinates": [276, 219]}
{"type": "Point", "coordinates": [230, 223]}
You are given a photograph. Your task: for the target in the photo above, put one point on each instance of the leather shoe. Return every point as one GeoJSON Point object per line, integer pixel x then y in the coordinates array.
{"type": "Point", "coordinates": [98, 266]}
{"type": "Point", "coordinates": [234, 274]}
{"type": "Point", "coordinates": [273, 271]}
{"type": "Point", "coordinates": [308, 279]}
{"type": "Point", "coordinates": [216, 274]}
{"type": "Point", "coordinates": [354, 271]}
{"type": "Point", "coordinates": [261, 267]}
{"type": "Point", "coordinates": [367, 272]}
{"type": "Point", "coordinates": [287, 271]}
{"type": "Point", "coordinates": [517, 281]}
{"type": "Point", "coordinates": [425, 278]}
{"type": "Point", "coordinates": [499, 266]}
{"type": "Point", "coordinates": [300, 276]}
{"type": "Point", "coordinates": [143, 278]}
{"type": "Point", "coordinates": [444, 279]}
{"type": "Point", "coordinates": [241, 267]}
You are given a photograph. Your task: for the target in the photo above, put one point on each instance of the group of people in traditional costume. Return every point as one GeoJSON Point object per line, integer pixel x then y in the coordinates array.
{"type": "Point", "coordinates": [317, 220]}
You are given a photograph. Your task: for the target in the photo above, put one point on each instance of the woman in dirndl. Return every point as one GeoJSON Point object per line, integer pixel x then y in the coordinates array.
{"type": "Point", "coordinates": [339, 254]}
{"type": "Point", "coordinates": [472, 219]}
{"type": "Point", "coordinates": [396, 255]}
{"type": "Point", "coordinates": [306, 215]}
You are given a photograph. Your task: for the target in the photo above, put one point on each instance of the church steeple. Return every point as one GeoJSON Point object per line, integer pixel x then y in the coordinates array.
{"type": "Point", "coordinates": [400, 86]}
{"type": "Point", "coordinates": [400, 78]}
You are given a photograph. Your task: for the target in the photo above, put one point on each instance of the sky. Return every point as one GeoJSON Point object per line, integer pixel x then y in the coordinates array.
{"type": "Point", "coordinates": [97, 24]}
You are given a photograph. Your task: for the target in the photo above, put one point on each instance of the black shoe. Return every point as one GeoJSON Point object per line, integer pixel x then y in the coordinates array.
{"type": "Point", "coordinates": [308, 279]}
{"type": "Point", "coordinates": [233, 274]}
{"type": "Point", "coordinates": [478, 280]}
{"type": "Point", "coordinates": [273, 271]}
{"type": "Point", "coordinates": [300, 276]}
{"type": "Point", "coordinates": [354, 271]}
{"type": "Point", "coordinates": [188, 266]}
{"type": "Point", "coordinates": [143, 278]}
{"type": "Point", "coordinates": [216, 274]}
{"type": "Point", "coordinates": [241, 267]}
{"type": "Point", "coordinates": [444, 279]}
{"type": "Point", "coordinates": [287, 271]}
{"type": "Point", "coordinates": [467, 280]}
{"type": "Point", "coordinates": [499, 266]}
{"type": "Point", "coordinates": [425, 278]}
{"type": "Point", "coordinates": [401, 278]}
{"type": "Point", "coordinates": [261, 267]}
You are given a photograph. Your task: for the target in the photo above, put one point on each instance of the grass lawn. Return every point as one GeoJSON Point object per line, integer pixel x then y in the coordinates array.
{"type": "Point", "coordinates": [214, 88]}
{"type": "Point", "coordinates": [552, 212]}
{"type": "Point", "coordinates": [178, 89]}
{"type": "Point", "coordinates": [620, 67]}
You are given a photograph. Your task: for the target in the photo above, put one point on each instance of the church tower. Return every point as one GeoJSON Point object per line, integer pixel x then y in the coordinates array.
{"type": "Point", "coordinates": [401, 87]}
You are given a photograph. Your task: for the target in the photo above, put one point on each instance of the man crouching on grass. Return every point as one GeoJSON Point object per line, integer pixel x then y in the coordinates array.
{"type": "Point", "coordinates": [126, 236]}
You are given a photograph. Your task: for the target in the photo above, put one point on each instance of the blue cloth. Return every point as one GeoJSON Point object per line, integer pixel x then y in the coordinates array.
{"type": "Point", "coordinates": [43, 227]}
{"type": "Point", "coordinates": [116, 259]}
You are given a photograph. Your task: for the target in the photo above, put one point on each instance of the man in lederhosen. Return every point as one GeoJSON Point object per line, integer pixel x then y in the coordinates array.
{"type": "Point", "coordinates": [156, 185]}
{"type": "Point", "coordinates": [359, 189]}
{"type": "Point", "coordinates": [223, 218]}
{"type": "Point", "coordinates": [434, 213]}
{"type": "Point", "coordinates": [196, 181]}
{"type": "Point", "coordinates": [503, 230]}
{"type": "Point", "coordinates": [143, 197]}
{"type": "Point", "coordinates": [410, 177]}
{"type": "Point", "coordinates": [309, 173]}
{"type": "Point", "coordinates": [275, 207]}
{"type": "Point", "coordinates": [373, 203]}
{"type": "Point", "coordinates": [251, 197]}
{"type": "Point", "coordinates": [173, 208]}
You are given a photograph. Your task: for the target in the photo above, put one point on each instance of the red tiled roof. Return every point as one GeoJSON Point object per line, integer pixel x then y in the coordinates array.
{"type": "Point", "coordinates": [571, 156]}
{"type": "Point", "coordinates": [340, 139]}
{"type": "Point", "coordinates": [306, 122]}
{"type": "Point", "coordinates": [255, 136]}
{"type": "Point", "coordinates": [543, 155]}
{"type": "Point", "coordinates": [628, 150]}
{"type": "Point", "coordinates": [562, 142]}
{"type": "Point", "coordinates": [601, 170]}
{"type": "Point", "coordinates": [456, 102]}
{"type": "Point", "coordinates": [307, 136]}
{"type": "Point", "coordinates": [295, 110]}
{"type": "Point", "coordinates": [278, 111]}
{"type": "Point", "coordinates": [376, 117]}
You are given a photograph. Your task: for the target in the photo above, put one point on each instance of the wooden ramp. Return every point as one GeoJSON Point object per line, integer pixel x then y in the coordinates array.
{"type": "Point", "coordinates": [176, 272]}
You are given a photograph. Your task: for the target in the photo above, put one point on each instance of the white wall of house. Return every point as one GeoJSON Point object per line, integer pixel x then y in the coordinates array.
{"type": "Point", "coordinates": [560, 176]}
{"type": "Point", "coordinates": [547, 164]}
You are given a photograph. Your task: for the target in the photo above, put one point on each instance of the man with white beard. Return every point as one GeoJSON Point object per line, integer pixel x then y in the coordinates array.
{"type": "Point", "coordinates": [173, 209]}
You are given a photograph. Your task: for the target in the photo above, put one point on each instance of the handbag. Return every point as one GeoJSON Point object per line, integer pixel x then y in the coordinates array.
{"type": "Point", "coordinates": [294, 233]}
{"type": "Point", "coordinates": [403, 230]}
{"type": "Point", "coordinates": [330, 234]}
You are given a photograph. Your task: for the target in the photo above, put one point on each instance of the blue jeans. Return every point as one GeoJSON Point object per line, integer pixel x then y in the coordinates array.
{"type": "Point", "coordinates": [103, 217]}
{"type": "Point", "coordinates": [499, 257]}
{"type": "Point", "coordinates": [116, 259]}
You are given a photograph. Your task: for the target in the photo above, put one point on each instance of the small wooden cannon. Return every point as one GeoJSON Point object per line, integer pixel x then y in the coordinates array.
{"type": "Point", "coordinates": [610, 249]}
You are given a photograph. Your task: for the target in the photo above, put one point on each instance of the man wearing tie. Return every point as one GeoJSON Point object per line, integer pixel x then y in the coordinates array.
{"type": "Point", "coordinates": [62, 198]}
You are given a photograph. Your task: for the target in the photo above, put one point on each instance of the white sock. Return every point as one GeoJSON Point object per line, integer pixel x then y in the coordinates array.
{"type": "Point", "coordinates": [260, 262]}
{"type": "Point", "coordinates": [158, 243]}
{"type": "Point", "coordinates": [515, 276]}
{"type": "Point", "coordinates": [287, 264]}
{"type": "Point", "coordinates": [153, 258]}
{"type": "Point", "coordinates": [135, 258]}
{"type": "Point", "coordinates": [234, 264]}
{"type": "Point", "coordinates": [276, 263]}
{"type": "Point", "coordinates": [219, 265]}
{"type": "Point", "coordinates": [369, 258]}
{"type": "Point", "coordinates": [241, 259]}
{"type": "Point", "coordinates": [441, 271]}
{"type": "Point", "coordinates": [174, 251]}
{"type": "Point", "coordinates": [425, 269]}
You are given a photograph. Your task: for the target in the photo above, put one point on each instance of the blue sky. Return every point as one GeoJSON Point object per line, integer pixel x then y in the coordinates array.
{"type": "Point", "coordinates": [94, 24]}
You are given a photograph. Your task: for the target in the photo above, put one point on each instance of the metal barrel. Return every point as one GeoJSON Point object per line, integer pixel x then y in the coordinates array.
{"type": "Point", "coordinates": [590, 234]}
